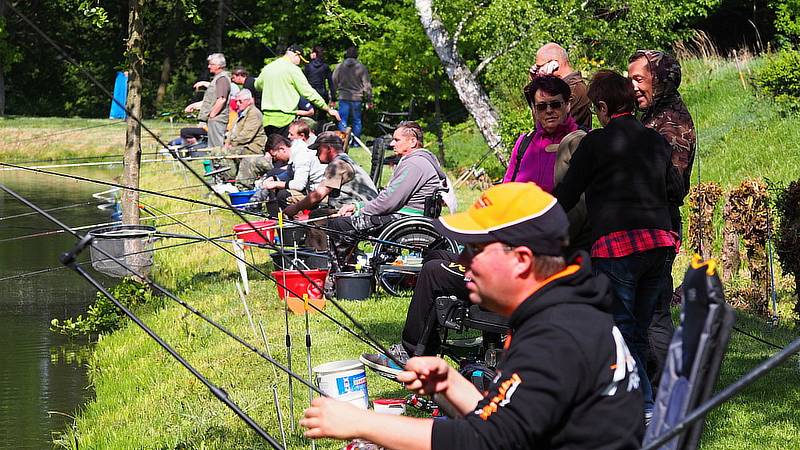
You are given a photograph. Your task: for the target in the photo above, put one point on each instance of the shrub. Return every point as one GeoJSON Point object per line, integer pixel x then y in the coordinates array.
{"type": "Point", "coordinates": [779, 77]}
{"type": "Point", "coordinates": [103, 316]}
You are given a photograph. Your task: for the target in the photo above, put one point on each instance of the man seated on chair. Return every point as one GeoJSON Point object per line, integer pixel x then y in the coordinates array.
{"type": "Point", "coordinates": [247, 139]}
{"type": "Point", "coordinates": [344, 182]}
{"type": "Point", "coordinates": [303, 172]}
{"type": "Point", "coordinates": [567, 380]}
{"type": "Point", "coordinates": [417, 176]}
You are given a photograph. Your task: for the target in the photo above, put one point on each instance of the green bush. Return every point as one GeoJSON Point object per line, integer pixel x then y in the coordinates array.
{"type": "Point", "coordinates": [780, 78]}
{"type": "Point", "coordinates": [103, 316]}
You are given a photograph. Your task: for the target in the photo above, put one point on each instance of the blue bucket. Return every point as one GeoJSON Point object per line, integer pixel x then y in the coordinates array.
{"type": "Point", "coordinates": [240, 198]}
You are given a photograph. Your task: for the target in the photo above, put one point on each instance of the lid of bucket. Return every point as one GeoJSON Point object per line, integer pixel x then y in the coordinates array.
{"type": "Point", "coordinates": [339, 366]}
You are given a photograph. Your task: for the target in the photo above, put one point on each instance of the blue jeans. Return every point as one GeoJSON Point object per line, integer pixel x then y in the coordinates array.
{"type": "Point", "coordinates": [347, 109]}
{"type": "Point", "coordinates": [636, 283]}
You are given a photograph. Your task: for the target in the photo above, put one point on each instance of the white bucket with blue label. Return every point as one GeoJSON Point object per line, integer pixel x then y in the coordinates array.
{"type": "Point", "coordinates": [345, 381]}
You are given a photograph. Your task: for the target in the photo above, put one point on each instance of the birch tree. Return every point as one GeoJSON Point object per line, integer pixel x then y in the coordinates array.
{"type": "Point", "coordinates": [470, 92]}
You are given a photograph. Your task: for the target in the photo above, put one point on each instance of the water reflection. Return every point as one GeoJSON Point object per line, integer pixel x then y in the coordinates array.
{"type": "Point", "coordinates": [42, 375]}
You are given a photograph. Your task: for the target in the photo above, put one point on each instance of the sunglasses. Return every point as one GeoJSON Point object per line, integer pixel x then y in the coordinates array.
{"type": "Point", "coordinates": [555, 104]}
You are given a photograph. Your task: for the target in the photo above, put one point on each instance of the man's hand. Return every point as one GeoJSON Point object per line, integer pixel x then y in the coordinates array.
{"type": "Point", "coordinates": [272, 184]}
{"type": "Point", "coordinates": [332, 419]}
{"type": "Point", "coordinates": [335, 114]}
{"type": "Point", "coordinates": [425, 375]}
{"type": "Point", "coordinates": [193, 107]}
{"type": "Point", "coordinates": [347, 210]}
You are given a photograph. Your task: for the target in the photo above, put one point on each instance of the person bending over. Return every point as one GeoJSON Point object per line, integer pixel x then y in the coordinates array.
{"type": "Point", "coordinates": [566, 380]}
{"type": "Point", "coordinates": [299, 173]}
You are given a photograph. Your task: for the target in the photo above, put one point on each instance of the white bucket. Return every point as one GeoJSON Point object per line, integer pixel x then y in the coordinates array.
{"type": "Point", "coordinates": [344, 380]}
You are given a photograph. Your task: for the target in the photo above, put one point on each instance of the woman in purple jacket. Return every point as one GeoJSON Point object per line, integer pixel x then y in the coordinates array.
{"type": "Point", "coordinates": [534, 155]}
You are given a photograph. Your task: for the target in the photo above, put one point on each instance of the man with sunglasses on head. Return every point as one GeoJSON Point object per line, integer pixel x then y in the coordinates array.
{"type": "Point", "coordinates": [566, 379]}
{"type": "Point", "coordinates": [552, 59]}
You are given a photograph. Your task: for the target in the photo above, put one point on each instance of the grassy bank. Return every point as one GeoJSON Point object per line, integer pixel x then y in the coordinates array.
{"type": "Point", "coordinates": [145, 400]}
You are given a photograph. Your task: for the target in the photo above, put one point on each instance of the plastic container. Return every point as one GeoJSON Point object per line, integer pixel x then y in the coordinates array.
{"type": "Point", "coordinates": [249, 234]}
{"type": "Point", "coordinates": [240, 198]}
{"type": "Point", "coordinates": [345, 381]}
{"type": "Point", "coordinates": [311, 258]}
{"type": "Point", "coordinates": [394, 406]}
{"type": "Point", "coordinates": [300, 285]}
{"type": "Point", "coordinates": [293, 234]}
{"type": "Point", "coordinates": [353, 285]}
{"type": "Point", "coordinates": [208, 166]}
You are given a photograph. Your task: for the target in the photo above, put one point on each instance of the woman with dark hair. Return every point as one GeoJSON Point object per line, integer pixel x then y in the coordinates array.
{"type": "Point", "coordinates": [318, 73]}
{"type": "Point", "coordinates": [626, 173]}
{"type": "Point", "coordinates": [534, 155]}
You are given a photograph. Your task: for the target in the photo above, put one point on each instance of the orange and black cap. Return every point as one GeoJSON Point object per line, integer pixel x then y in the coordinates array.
{"type": "Point", "coordinates": [518, 214]}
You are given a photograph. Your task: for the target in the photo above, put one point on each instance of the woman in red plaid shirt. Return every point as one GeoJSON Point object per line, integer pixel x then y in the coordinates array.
{"type": "Point", "coordinates": [626, 173]}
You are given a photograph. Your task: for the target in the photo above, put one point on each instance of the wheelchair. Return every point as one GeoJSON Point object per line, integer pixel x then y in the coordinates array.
{"type": "Point", "coordinates": [398, 248]}
{"type": "Point", "coordinates": [477, 356]}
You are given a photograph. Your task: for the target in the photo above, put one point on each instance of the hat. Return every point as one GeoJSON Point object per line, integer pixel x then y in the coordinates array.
{"type": "Point", "coordinates": [329, 138]}
{"type": "Point", "coordinates": [297, 50]}
{"type": "Point", "coordinates": [519, 214]}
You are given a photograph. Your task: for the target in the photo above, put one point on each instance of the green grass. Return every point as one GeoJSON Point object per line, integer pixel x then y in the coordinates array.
{"type": "Point", "coordinates": [144, 399]}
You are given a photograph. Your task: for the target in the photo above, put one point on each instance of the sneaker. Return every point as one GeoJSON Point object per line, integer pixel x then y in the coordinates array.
{"type": "Point", "coordinates": [384, 365]}
{"type": "Point", "coordinates": [648, 418]}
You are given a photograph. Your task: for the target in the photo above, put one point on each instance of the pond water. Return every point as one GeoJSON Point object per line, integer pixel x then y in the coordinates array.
{"type": "Point", "coordinates": [42, 375]}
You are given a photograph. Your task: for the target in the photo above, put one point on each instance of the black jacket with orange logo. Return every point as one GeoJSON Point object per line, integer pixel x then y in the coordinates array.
{"type": "Point", "coordinates": [567, 380]}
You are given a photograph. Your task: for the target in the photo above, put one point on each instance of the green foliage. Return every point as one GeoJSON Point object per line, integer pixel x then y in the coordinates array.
{"type": "Point", "coordinates": [780, 78]}
{"type": "Point", "coordinates": [787, 22]}
{"type": "Point", "coordinates": [103, 316]}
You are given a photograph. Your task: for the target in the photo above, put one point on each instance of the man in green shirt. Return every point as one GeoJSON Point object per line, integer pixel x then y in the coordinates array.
{"type": "Point", "coordinates": [281, 83]}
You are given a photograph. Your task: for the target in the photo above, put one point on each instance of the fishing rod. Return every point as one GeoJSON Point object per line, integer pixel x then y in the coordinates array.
{"type": "Point", "coordinates": [446, 406]}
{"type": "Point", "coordinates": [53, 269]}
{"type": "Point", "coordinates": [116, 163]}
{"type": "Point", "coordinates": [96, 225]}
{"type": "Point", "coordinates": [228, 207]}
{"type": "Point", "coordinates": [69, 259]}
{"type": "Point", "coordinates": [273, 279]}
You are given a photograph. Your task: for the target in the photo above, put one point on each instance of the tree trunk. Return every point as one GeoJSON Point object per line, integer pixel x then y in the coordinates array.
{"type": "Point", "coordinates": [438, 116]}
{"type": "Point", "coordinates": [169, 54]}
{"type": "Point", "coordinates": [133, 144]}
{"type": "Point", "coordinates": [470, 92]}
{"type": "Point", "coordinates": [2, 67]}
{"type": "Point", "coordinates": [219, 29]}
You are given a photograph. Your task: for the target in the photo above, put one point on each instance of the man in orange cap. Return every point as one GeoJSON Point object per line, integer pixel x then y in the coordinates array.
{"type": "Point", "coordinates": [566, 380]}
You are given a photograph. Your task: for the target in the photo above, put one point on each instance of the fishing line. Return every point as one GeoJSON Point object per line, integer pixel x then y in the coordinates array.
{"type": "Point", "coordinates": [229, 207]}
{"type": "Point", "coordinates": [58, 208]}
{"type": "Point", "coordinates": [68, 259]}
{"type": "Point", "coordinates": [60, 132]}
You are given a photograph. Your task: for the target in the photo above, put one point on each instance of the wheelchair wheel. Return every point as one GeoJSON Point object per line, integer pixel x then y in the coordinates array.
{"type": "Point", "coordinates": [395, 267]}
